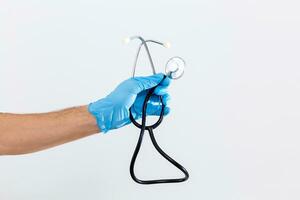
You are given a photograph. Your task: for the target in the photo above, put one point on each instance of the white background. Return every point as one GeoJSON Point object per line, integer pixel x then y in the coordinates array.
{"type": "Point", "coordinates": [235, 114]}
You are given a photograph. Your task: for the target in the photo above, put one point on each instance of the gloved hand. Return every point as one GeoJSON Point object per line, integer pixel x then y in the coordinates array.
{"type": "Point", "coordinates": [112, 112]}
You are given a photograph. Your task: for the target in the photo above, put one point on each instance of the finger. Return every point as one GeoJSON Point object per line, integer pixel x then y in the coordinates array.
{"type": "Point", "coordinates": [166, 99]}
{"type": "Point", "coordinates": [136, 113]}
{"type": "Point", "coordinates": [161, 90]}
{"type": "Point", "coordinates": [154, 106]}
{"type": "Point", "coordinates": [166, 111]}
{"type": "Point", "coordinates": [155, 99]}
{"type": "Point", "coordinates": [155, 103]}
{"type": "Point", "coordinates": [165, 82]}
{"type": "Point", "coordinates": [151, 104]}
{"type": "Point", "coordinates": [147, 82]}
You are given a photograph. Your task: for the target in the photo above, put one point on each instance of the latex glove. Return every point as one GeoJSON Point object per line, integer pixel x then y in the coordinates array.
{"type": "Point", "coordinates": [112, 112]}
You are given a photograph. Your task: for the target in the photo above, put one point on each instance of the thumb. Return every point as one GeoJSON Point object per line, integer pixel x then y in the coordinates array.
{"type": "Point", "coordinates": [147, 82]}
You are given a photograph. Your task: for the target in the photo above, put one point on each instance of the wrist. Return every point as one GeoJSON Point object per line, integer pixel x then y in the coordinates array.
{"type": "Point", "coordinates": [81, 119]}
{"type": "Point", "coordinates": [102, 112]}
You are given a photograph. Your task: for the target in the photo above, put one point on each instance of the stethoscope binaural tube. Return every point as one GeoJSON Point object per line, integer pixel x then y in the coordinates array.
{"type": "Point", "coordinates": [143, 127]}
{"type": "Point", "coordinates": [144, 43]}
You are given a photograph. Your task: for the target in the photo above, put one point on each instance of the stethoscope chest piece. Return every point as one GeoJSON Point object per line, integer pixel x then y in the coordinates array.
{"type": "Point", "coordinates": [175, 67]}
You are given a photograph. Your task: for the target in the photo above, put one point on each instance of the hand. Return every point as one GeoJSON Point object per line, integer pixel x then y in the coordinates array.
{"type": "Point", "coordinates": [112, 112]}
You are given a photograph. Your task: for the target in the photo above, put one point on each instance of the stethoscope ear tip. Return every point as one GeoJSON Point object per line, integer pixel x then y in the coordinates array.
{"type": "Point", "coordinates": [126, 40]}
{"type": "Point", "coordinates": [167, 45]}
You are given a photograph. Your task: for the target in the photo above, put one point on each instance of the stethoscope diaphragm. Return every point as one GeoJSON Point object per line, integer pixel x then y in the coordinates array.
{"type": "Point", "coordinates": [175, 67]}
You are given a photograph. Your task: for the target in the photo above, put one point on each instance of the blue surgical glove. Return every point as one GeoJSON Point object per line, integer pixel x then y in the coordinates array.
{"type": "Point", "coordinates": [112, 112]}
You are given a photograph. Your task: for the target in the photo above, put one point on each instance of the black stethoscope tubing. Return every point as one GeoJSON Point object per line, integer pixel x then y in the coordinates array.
{"type": "Point", "coordinates": [143, 127]}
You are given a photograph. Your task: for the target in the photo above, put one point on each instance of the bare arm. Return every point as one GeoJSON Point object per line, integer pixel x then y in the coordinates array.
{"type": "Point", "coordinates": [26, 133]}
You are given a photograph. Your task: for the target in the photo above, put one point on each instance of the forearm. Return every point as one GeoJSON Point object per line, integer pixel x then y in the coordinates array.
{"type": "Point", "coordinates": [26, 133]}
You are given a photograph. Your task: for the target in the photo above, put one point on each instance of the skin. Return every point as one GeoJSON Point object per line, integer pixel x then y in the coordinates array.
{"type": "Point", "coordinates": [27, 133]}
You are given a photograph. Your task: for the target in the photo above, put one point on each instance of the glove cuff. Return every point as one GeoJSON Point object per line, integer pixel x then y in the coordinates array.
{"type": "Point", "coordinates": [102, 110]}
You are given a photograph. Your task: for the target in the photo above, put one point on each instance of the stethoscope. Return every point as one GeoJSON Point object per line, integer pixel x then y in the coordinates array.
{"type": "Point", "coordinates": [174, 70]}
